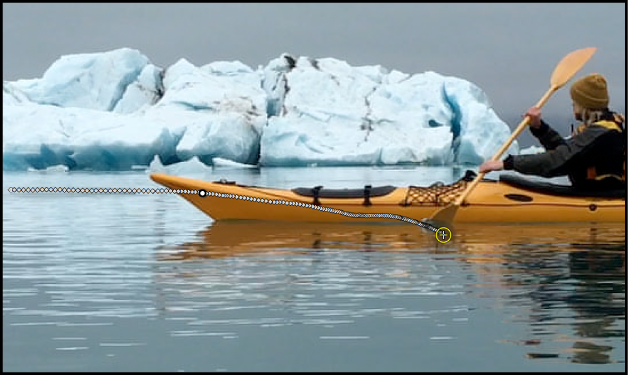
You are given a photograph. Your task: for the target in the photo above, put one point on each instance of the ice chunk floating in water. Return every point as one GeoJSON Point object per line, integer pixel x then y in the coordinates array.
{"type": "Point", "coordinates": [115, 110]}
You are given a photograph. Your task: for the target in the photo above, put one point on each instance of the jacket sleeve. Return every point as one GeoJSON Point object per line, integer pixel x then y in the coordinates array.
{"type": "Point", "coordinates": [548, 137]}
{"type": "Point", "coordinates": [556, 162]}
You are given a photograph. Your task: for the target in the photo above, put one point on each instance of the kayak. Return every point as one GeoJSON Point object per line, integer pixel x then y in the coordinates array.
{"type": "Point", "coordinates": [510, 199]}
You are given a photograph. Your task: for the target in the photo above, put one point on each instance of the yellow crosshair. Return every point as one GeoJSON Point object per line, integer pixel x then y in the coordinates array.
{"type": "Point", "coordinates": [443, 234]}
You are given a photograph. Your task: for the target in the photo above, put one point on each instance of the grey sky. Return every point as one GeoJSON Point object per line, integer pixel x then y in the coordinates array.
{"type": "Point", "coordinates": [509, 50]}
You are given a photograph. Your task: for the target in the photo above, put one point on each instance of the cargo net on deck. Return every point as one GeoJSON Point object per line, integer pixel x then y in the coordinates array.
{"type": "Point", "coordinates": [437, 194]}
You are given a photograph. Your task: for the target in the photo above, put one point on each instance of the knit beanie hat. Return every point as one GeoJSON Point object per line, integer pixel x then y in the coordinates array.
{"type": "Point", "coordinates": [590, 92]}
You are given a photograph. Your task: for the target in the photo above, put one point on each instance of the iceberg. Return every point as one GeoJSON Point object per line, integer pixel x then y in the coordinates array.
{"type": "Point", "coordinates": [115, 110]}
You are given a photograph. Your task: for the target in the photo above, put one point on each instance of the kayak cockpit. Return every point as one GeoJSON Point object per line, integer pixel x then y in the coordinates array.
{"type": "Point", "coordinates": [558, 190]}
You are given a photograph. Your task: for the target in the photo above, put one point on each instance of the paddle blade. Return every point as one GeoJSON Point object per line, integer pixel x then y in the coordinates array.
{"type": "Point", "coordinates": [444, 216]}
{"type": "Point", "coordinates": [569, 65]}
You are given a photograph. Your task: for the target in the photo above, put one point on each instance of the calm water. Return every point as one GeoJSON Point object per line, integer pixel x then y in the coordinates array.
{"type": "Point", "coordinates": [148, 283]}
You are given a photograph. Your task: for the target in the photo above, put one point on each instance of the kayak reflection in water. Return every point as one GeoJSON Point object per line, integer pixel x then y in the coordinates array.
{"type": "Point", "coordinates": [566, 282]}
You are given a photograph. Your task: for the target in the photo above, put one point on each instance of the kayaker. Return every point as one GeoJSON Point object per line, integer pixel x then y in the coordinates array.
{"type": "Point", "coordinates": [593, 157]}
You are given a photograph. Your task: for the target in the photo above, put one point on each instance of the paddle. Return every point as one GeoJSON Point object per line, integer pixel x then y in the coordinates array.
{"type": "Point", "coordinates": [564, 71]}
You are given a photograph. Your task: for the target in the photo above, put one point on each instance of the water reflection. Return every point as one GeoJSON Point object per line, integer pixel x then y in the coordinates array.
{"type": "Point", "coordinates": [246, 238]}
{"type": "Point", "coordinates": [567, 276]}
{"type": "Point", "coordinates": [596, 294]}
{"type": "Point", "coordinates": [566, 282]}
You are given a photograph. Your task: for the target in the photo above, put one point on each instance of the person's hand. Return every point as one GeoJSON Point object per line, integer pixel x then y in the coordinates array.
{"type": "Point", "coordinates": [534, 117]}
{"type": "Point", "coordinates": [491, 165]}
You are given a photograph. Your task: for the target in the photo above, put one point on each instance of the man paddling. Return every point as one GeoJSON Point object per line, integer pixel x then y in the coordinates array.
{"type": "Point", "coordinates": [593, 157]}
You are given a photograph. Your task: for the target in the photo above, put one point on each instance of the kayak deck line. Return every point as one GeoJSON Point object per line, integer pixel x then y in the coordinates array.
{"type": "Point", "coordinates": [203, 193]}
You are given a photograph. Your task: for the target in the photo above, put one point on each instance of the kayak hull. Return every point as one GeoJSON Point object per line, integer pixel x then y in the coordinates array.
{"type": "Point", "coordinates": [490, 201]}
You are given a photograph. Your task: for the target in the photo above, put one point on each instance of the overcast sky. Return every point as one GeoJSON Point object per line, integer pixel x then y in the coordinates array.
{"type": "Point", "coordinates": [508, 50]}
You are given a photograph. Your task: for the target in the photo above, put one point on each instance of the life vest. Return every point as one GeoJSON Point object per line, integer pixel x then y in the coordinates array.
{"type": "Point", "coordinates": [617, 125]}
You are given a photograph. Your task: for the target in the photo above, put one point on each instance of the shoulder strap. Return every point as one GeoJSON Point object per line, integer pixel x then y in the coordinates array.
{"type": "Point", "coordinates": [611, 125]}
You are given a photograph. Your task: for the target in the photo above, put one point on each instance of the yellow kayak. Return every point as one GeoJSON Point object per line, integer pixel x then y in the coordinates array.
{"type": "Point", "coordinates": [511, 199]}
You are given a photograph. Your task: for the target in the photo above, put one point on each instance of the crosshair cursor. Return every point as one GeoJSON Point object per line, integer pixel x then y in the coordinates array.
{"type": "Point", "coordinates": [443, 234]}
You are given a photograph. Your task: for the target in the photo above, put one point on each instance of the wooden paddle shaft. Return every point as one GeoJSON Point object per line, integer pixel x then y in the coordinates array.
{"type": "Point", "coordinates": [564, 71]}
{"type": "Point", "coordinates": [523, 124]}
{"type": "Point", "coordinates": [505, 145]}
